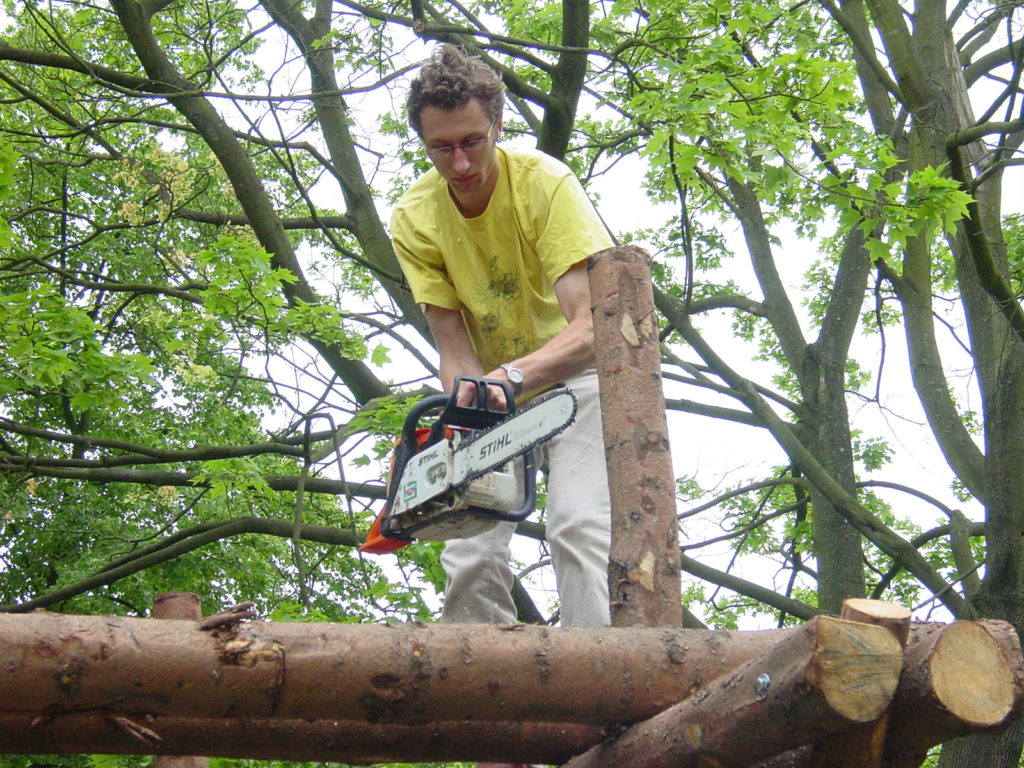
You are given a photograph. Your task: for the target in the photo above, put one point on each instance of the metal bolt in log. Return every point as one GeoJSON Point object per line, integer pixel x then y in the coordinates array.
{"type": "Point", "coordinates": [643, 572]}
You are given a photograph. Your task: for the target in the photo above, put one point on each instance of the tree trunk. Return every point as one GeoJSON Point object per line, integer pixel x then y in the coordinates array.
{"type": "Point", "coordinates": [838, 547]}
{"type": "Point", "coordinates": [930, 75]}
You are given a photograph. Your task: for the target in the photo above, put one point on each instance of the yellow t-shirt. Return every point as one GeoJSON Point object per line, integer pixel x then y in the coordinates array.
{"type": "Point", "coordinates": [500, 267]}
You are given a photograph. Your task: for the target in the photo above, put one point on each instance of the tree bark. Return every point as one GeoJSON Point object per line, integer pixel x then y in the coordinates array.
{"type": "Point", "coordinates": [643, 569]}
{"type": "Point", "coordinates": [825, 677]}
{"type": "Point", "coordinates": [185, 606]}
{"type": "Point", "coordinates": [335, 741]}
{"type": "Point", "coordinates": [567, 78]}
{"type": "Point", "coordinates": [411, 674]}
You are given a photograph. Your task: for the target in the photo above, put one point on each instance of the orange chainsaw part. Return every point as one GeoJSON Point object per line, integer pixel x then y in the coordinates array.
{"type": "Point", "coordinates": [376, 542]}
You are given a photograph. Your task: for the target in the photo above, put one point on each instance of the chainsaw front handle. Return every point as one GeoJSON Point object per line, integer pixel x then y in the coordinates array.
{"type": "Point", "coordinates": [478, 414]}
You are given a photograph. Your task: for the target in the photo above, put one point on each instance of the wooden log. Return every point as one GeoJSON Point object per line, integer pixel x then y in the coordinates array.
{"type": "Point", "coordinates": [299, 740]}
{"type": "Point", "coordinates": [1005, 636]}
{"type": "Point", "coordinates": [187, 606]}
{"type": "Point", "coordinates": [825, 677]}
{"type": "Point", "coordinates": [643, 571]}
{"type": "Point", "coordinates": [413, 674]}
{"type": "Point", "coordinates": [957, 679]}
{"type": "Point", "coordinates": [893, 617]}
{"type": "Point", "coordinates": [862, 747]}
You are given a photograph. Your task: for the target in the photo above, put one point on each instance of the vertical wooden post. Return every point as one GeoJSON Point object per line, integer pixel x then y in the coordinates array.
{"type": "Point", "coordinates": [643, 570]}
{"type": "Point", "coordinates": [183, 606]}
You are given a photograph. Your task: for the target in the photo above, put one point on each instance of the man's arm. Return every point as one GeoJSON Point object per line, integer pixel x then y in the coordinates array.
{"type": "Point", "coordinates": [571, 350]}
{"type": "Point", "coordinates": [453, 345]}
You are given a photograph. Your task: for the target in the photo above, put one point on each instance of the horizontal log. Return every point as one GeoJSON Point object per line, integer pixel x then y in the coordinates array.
{"type": "Point", "coordinates": [354, 743]}
{"type": "Point", "coordinates": [958, 678]}
{"type": "Point", "coordinates": [411, 674]}
{"type": "Point", "coordinates": [411, 692]}
{"type": "Point", "coordinates": [825, 677]}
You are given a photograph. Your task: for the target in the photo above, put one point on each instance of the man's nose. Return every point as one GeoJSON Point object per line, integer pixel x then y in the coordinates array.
{"type": "Point", "coordinates": [460, 160]}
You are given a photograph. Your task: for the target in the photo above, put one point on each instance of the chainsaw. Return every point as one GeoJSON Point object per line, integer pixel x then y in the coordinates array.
{"type": "Point", "coordinates": [472, 468]}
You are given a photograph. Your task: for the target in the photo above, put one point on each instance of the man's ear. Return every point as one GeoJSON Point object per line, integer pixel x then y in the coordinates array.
{"type": "Point", "coordinates": [497, 126]}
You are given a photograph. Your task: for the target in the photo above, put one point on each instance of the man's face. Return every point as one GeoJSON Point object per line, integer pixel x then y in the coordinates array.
{"type": "Point", "coordinates": [468, 167]}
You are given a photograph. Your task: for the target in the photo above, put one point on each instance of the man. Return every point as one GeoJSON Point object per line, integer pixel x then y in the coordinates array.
{"type": "Point", "coordinates": [493, 243]}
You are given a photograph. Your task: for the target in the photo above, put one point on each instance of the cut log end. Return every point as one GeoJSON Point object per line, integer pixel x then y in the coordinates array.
{"type": "Point", "coordinates": [895, 618]}
{"type": "Point", "coordinates": [858, 668]}
{"type": "Point", "coordinates": [971, 676]}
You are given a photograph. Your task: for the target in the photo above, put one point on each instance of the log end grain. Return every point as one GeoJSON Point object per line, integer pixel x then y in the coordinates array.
{"type": "Point", "coordinates": [971, 676]}
{"type": "Point", "coordinates": [893, 617]}
{"type": "Point", "coordinates": [858, 668]}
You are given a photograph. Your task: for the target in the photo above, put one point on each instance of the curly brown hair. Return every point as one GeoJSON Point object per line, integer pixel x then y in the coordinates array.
{"type": "Point", "coordinates": [449, 80]}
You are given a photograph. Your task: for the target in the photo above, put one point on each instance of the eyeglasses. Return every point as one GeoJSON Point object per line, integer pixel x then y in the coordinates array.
{"type": "Point", "coordinates": [470, 147]}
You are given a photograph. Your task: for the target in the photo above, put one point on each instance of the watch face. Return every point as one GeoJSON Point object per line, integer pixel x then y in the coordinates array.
{"type": "Point", "coordinates": [515, 375]}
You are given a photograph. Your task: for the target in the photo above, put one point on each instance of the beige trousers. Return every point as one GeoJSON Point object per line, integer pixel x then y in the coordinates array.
{"type": "Point", "coordinates": [578, 532]}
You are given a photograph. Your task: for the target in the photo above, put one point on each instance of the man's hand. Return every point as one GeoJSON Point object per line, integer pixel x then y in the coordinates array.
{"type": "Point", "coordinates": [467, 394]}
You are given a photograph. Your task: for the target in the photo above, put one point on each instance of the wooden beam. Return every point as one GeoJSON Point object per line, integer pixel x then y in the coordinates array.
{"type": "Point", "coordinates": [960, 678]}
{"type": "Point", "coordinates": [643, 572]}
{"type": "Point", "coordinates": [175, 605]}
{"type": "Point", "coordinates": [385, 693]}
{"type": "Point", "coordinates": [411, 674]}
{"type": "Point", "coordinates": [335, 741]}
{"type": "Point", "coordinates": [957, 680]}
{"type": "Point", "coordinates": [825, 677]}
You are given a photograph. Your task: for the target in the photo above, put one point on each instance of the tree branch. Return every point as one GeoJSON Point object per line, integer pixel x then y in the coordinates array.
{"type": "Point", "coordinates": [855, 513]}
{"type": "Point", "coordinates": [23, 467]}
{"type": "Point", "coordinates": [247, 186]}
{"type": "Point", "coordinates": [186, 542]}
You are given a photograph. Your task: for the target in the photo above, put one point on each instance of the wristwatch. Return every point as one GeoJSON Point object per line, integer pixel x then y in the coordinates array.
{"type": "Point", "coordinates": [515, 378]}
